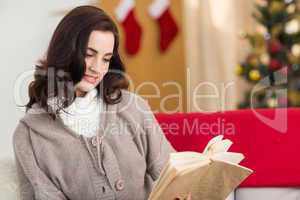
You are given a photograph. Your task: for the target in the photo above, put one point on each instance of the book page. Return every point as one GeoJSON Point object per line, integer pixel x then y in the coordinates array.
{"type": "Point", "coordinates": [178, 163]}
{"type": "Point", "coordinates": [218, 147]}
{"type": "Point", "coordinates": [211, 142]}
{"type": "Point", "coordinates": [211, 175]}
{"type": "Point", "coordinates": [213, 181]}
{"type": "Point", "coordinates": [231, 157]}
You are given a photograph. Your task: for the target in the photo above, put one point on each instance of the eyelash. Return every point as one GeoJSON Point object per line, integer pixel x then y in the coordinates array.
{"type": "Point", "coordinates": [90, 55]}
{"type": "Point", "coordinates": [105, 60]}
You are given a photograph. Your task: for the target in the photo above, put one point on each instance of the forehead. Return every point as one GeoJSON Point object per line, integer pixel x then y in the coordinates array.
{"type": "Point", "coordinates": [101, 41]}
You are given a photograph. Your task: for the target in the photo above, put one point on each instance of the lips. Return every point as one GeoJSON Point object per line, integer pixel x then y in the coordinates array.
{"type": "Point", "coordinates": [90, 79]}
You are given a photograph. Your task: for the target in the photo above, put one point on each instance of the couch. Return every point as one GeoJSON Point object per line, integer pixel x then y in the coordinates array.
{"type": "Point", "coordinates": [8, 180]}
{"type": "Point", "coordinates": [269, 139]}
{"type": "Point", "coordinates": [271, 149]}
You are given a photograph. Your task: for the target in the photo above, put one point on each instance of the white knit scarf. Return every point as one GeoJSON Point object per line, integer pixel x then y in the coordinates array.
{"type": "Point", "coordinates": [83, 115]}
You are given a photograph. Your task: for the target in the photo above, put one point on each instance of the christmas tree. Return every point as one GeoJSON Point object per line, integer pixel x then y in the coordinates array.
{"type": "Point", "coordinates": [275, 49]}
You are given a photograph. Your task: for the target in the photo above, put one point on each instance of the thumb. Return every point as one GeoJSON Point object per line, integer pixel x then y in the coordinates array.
{"type": "Point", "coordinates": [189, 196]}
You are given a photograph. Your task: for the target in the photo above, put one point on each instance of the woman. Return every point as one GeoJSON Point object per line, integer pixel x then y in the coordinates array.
{"type": "Point", "coordinates": [84, 136]}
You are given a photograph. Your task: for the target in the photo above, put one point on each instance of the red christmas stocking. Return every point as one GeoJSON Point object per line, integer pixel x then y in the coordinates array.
{"type": "Point", "coordinates": [160, 10]}
{"type": "Point", "coordinates": [132, 29]}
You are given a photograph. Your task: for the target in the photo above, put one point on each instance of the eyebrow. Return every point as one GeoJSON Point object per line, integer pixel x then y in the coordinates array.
{"type": "Point", "coordinates": [95, 51]}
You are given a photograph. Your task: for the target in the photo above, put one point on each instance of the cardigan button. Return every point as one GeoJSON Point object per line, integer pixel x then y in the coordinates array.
{"type": "Point", "coordinates": [119, 185]}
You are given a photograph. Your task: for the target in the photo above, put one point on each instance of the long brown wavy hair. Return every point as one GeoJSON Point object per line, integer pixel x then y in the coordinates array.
{"type": "Point", "coordinates": [65, 61]}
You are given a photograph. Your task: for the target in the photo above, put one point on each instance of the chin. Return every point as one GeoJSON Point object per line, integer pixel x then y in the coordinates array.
{"type": "Point", "coordinates": [85, 86]}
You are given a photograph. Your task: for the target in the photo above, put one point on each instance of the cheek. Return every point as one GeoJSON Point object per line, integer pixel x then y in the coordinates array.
{"type": "Point", "coordinates": [105, 69]}
{"type": "Point", "coordinates": [87, 64]}
{"type": "Point", "coordinates": [103, 73]}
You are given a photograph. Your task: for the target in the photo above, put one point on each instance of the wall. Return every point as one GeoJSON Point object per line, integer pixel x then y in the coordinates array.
{"type": "Point", "coordinates": [26, 28]}
{"type": "Point", "coordinates": [166, 70]}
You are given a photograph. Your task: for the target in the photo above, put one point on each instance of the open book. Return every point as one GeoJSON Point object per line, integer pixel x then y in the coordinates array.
{"type": "Point", "coordinates": [211, 175]}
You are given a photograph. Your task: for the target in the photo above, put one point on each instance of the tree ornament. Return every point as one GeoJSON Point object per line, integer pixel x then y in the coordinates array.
{"type": "Point", "coordinates": [254, 75]}
{"type": "Point", "coordinates": [239, 70]}
{"type": "Point", "coordinates": [276, 7]}
{"type": "Point", "coordinates": [275, 46]}
{"type": "Point", "coordinates": [275, 64]}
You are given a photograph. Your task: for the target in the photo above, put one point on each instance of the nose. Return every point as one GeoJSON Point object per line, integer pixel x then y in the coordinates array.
{"type": "Point", "coordinates": [96, 67]}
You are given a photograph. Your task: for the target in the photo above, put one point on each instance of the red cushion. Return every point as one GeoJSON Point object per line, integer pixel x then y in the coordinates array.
{"type": "Point", "coordinates": [273, 155]}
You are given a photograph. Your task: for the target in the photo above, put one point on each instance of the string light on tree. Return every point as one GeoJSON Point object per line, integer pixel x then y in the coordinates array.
{"type": "Point", "coordinates": [296, 50]}
{"type": "Point", "coordinates": [272, 102]}
{"type": "Point", "coordinates": [261, 29]}
{"type": "Point", "coordinates": [265, 59]}
{"type": "Point", "coordinates": [291, 8]}
{"type": "Point", "coordinates": [292, 27]}
{"type": "Point", "coordinates": [288, 1]}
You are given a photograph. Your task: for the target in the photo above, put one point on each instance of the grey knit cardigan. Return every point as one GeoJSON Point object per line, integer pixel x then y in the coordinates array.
{"type": "Point", "coordinates": [121, 162]}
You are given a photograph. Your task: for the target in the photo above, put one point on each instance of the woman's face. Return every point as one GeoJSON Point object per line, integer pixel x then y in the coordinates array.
{"type": "Point", "coordinates": [98, 54]}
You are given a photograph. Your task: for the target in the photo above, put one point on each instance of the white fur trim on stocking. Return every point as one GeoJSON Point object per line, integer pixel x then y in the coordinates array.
{"type": "Point", "coordinates": [123, 9]}
{"type": "Point", "coordinates": [158, 7]}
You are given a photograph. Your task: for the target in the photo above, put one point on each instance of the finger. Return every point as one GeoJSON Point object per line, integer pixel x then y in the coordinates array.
{"type": "Point", "coordinates": [189, 196]}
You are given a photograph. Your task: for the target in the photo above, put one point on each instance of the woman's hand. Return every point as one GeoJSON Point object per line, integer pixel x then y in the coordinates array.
{"type": "Point", "coordinates": [188, 197]}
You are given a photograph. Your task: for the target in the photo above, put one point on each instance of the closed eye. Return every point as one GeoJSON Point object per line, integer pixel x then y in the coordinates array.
{"type": "Point", "coordinates": [88, 55]}
{"type": "Point", "coordinates": [106, 60]}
